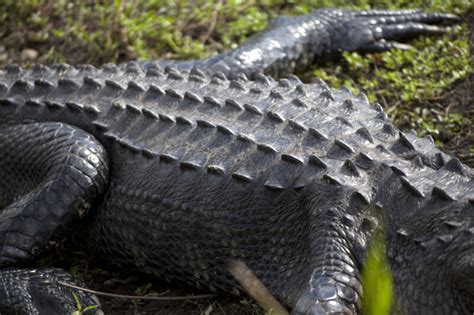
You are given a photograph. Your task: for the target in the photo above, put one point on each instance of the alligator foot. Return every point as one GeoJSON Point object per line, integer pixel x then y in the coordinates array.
{"type": "Point", "coordinates": [381, 30]}
{"type": "Point", "coordinates": [329, 294]}
{"type": "Point", "coordinates": [39, 291]}
{"type": "Point", "coordinates": [340, 246]}
{"type": "Point", "coordinates": [51, 174]}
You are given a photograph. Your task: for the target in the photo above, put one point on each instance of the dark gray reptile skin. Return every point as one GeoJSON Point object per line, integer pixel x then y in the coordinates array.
{"type": "Point", "coordinates": [181, 172]}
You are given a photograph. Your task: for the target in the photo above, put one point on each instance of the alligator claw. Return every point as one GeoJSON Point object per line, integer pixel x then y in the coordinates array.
{"type": "Point", "coordinates": [383, 45]}
{"type": "Point", "coordinates": [403, 16]}
{"type": "Point", "coordinates": [374, 30]}
{"type": "Point", "coordinates": [406, 31]}
{"type": "Point", "coordinates": [378, 12]}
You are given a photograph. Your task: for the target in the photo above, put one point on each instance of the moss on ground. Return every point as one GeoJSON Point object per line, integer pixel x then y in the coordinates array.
{"type": "Point", "coordinates": [428, 88]}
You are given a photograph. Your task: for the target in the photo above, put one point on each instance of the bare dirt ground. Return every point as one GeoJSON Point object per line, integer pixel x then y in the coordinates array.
{"type": "Point", "coordinates": [461, 99]}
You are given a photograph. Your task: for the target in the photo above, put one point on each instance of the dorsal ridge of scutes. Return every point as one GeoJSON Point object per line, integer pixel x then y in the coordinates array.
{"type": "Point", "coordinates": [359, 199]}
{"type": "Point", "coordinates": [411, 187]}
{"type": "Point", "coordinates": [404, 139]}
{"type": "Point", "coordinates": [443, 193]}
{"type": "Point", "coordinates": [455, 166]}
{"type": "Point", "coordinates": [352, 168]}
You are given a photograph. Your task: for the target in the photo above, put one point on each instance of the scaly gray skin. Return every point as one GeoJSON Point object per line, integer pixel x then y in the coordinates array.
{"type": "Point", "coordinates": [180, 173]}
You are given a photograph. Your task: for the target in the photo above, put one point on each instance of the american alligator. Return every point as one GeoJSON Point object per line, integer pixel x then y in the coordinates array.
{"type": "Point", "coordinates": [178, 169]}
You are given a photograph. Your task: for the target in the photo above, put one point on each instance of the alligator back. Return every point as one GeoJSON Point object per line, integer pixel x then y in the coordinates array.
{"type": "Point", "coordinates": [280, 133]}
{"type": "Point", "coordinates": [204, 168]}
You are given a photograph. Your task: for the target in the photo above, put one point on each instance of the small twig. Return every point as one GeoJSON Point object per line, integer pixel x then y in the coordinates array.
{"type": "Point", "coordinates": [244, 7]}
{"type": "Point", "coordinates": [255, 288]}
{"type": "Point", "coordinates": [212, 26]}
{"type": "Point", "coordinates": [187, 27]}
{"type": "Point", "coordinates": [138, 297]}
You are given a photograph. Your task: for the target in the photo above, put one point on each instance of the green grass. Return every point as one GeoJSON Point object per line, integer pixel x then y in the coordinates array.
{"type": "Point", "coordinates": [399, 78]}
{"type": "Point", "coordinates": [404, 82]}
{"type": "Point", "coordinates": [80, 309]}
{"type": "Point", "coordinates": [377, 279]}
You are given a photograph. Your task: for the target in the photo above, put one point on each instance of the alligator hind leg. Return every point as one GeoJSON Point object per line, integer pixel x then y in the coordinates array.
{"type": "Point", "coordinates": [290, 43]}
{"type": "Point", "coordinates": [339, 246]}
{"type": "Point", "coordinates": [50, 174]}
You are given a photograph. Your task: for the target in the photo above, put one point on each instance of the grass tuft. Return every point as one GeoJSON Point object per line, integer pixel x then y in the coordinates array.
{"type": "Point", "coordinates": [377, 280]}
